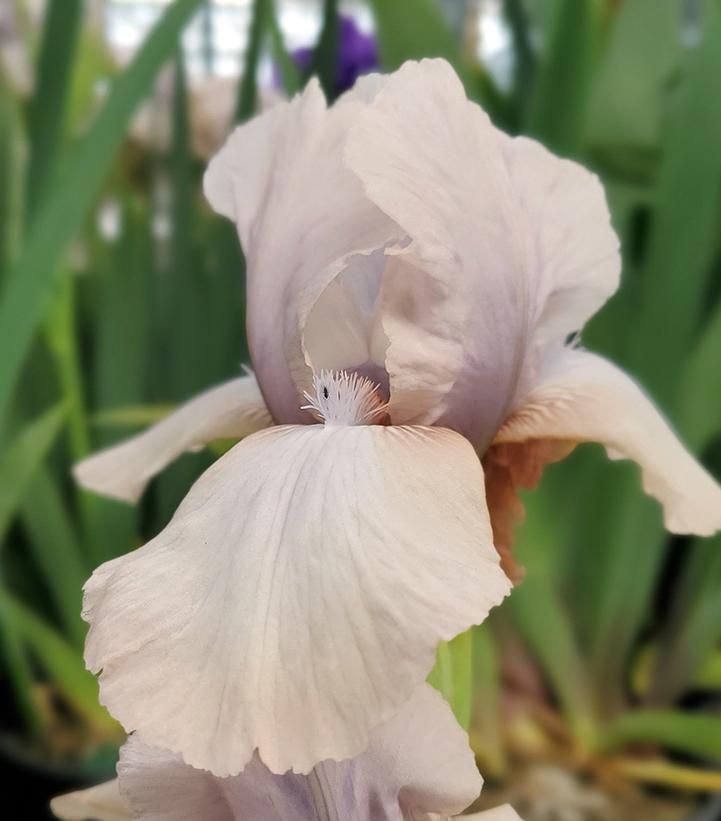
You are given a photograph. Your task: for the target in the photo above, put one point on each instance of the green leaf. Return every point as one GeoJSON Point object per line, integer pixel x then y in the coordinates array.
{"type": "Point", "coordinates": [693, 627]}
{"type": "Point", "coordinates": [324, 64]}
{"type": "Point", "coordinates": [120, 323]}
{"type": "Point", "coordinates": [60, 332]}
{"type": "Point", "coordinates": [63, 663]}
{"type": "Point", "coordinates": [524, 56]}
{"type": "Point", "coordinates": [22, 458]}
{"type": "Point", "coordinates": [290, 76]}
{"type": "Point", "coordinates": [22, 473]}
{"type": "Point", "coordinates": [11, 167]}
{"type": "Point", "coordinates": [542, 618]}
{"type": "Point", "coordinates": [248, 93]}
{"type": "Point", "coordinates": [16, 665]}
{"type": "Point", "coordinates": [48, 106]}
{"type": "Point", "coordinates": [547, 629]}
{"type": "Point", "coordinates": [709, 674]}
{"type": "Point", "coordinates": [685, 222]}
{"type": "Point", "coordinates": [54, 544]}
{"type": "Point", "coordinates": [626, 100]}
{"type": "Point", "coordinates": [414, 29]}
{"type": "Point", "coordinates": [699, 412]}
{"type": "Point", "coordinates": [675, 278]}
{"type": "Point", "coordinates": [558, 101]}
{"type": "Point", "coordinates": [689, 733]}
{"type": "Point", "coordinates": [182, 364]}
{"type": "Point", "coordinates": [30, 282]}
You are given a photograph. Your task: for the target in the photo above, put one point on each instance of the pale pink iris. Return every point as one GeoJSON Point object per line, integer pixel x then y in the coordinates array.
{"type": "Point", "coordinates": [294, 602]}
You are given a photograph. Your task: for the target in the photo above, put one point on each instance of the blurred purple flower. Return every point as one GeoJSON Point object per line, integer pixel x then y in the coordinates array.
{"type": "Point", "coordinates": [357, 55]}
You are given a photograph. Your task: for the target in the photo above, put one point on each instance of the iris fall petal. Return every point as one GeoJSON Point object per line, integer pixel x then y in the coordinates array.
{"type": "Point", "coordinates": [295, 599]}
{"type": "Point", "coordinates": [582, 397]}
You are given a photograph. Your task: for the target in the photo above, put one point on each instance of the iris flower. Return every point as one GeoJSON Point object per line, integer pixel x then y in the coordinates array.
{"type": "Point", "coordinates": [418, 766]}
{"type": "Point", "coordinates": [413, 276]}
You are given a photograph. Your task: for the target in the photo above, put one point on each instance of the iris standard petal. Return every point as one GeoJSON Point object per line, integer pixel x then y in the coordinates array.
{"type": "Point", "coordinates": [231, 410]}
{"type": "Point", "coordinates": [456, 305]}
{"type": "Point", "coordinates": [577, 251]}
{"type": "Point", "coordinates": [511, 248]}
{"type": "Point", "coordinates": [302, 217]}
{"type": "Point", "coordinates": [582, 397]}
{"type": "Point", "coordinates": [296, 598]}
{"type": "Point", "coordinates": [101, 803]}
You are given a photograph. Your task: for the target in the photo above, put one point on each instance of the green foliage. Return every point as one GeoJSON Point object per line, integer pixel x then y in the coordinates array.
{"type": "Point", "coordinates": [697, 735]}
{"type": "Point", "coordinates": [412, 30]}
{"type": "Point", "coordinates": [30, 280]}
{"type": "Point", "coordinates": [560, 94]}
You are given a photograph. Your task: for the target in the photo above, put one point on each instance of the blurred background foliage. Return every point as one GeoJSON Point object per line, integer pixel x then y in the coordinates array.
{"type": "Point", "coordinates": [595, 692]}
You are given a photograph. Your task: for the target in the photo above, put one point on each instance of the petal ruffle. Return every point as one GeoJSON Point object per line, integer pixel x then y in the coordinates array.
{"type": "Point", "coordinates": [582, 397]}
{"type": "Point", "coordinates": [101, 803]}
{"type": "Point", "coordinates": [231, 410]}
{"type": "Point", "coordinates": [295, 599]}
{"type": "Point", "coordinates": [302, 217]}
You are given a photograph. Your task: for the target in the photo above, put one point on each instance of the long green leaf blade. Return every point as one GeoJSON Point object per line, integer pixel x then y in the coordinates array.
{"type": "Point", "coordinates": [248, 92]}
{"type": "Point", "coordinates": [689, 733]}
{"type": "Point", "coordinates": [685, 228]}
{"type": "Point", "coordinates": [55, 546]}
{"type": "Point", "coordinates": [412, 30]}
{"type": "Point", "coordinates": [61, 661]}
{"type": "Point", "coordinates": [16, 665]}
{"type": "Point", "coordinates": [325, 57]}
{"type": "Point", "coordinates": [558, 101]}
{"type": "Point", "coordinates": [30, 282]}
{"type": "Point", "coordinates": [22, 458]}
{"type": "Point", "coordinates": [48, 107]}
